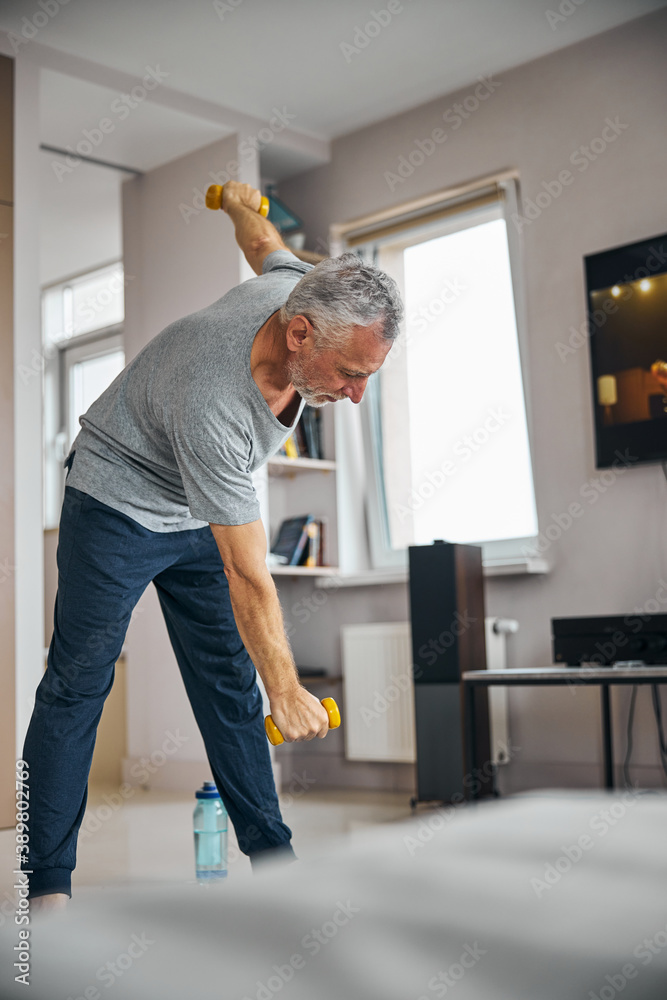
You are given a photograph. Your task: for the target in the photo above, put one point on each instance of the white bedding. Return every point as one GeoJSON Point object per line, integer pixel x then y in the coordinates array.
{"type": "Point", "coordinates": [541, 897]}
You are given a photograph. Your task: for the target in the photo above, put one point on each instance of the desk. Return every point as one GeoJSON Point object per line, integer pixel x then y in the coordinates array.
{"type": "Point", "coordinates": [567, 676]}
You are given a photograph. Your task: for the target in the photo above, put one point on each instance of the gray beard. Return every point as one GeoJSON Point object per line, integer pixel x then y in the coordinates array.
{"type": "Point", "coordinates": [312, 395]}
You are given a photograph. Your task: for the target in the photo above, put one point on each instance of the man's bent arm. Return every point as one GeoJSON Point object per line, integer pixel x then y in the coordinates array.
{"type": "Point", "coordinates": [256, 236]}
{"type": "Point", "coordinates": [296, 712]}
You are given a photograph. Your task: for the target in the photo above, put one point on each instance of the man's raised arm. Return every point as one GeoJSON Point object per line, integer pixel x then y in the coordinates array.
{"type": "Point", "coordinates": [256, 236]}
{"type": "Point", "coordinates": [297, 713]}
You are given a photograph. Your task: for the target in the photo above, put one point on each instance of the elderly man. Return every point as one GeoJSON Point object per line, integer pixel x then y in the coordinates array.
{"type": "Point", "coordinates": [159, 488]}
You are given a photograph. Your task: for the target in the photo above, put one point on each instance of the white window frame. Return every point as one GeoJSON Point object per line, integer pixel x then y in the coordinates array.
{"type": "Point", "coordinates": [58, 358]}
{"type": "Point", "coordinates": [503, 553]}
{"type": "Point", "coordinates": [95, 346]}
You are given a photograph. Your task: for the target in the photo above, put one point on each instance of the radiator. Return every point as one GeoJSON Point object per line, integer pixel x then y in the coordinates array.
{"type": "Point", "coordinates": [378, 696]}
{"type": "Point", "coordinates": [496, 659]}
{"type": "Point", "coordinates": [378, 691]}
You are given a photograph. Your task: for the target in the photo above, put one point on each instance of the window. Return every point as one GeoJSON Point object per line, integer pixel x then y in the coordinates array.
{"type": "Point", "coordinates": [445, 421]}
{"type": "Point", "coordinates": [83, 353]}
{"type": "Point", "coordinates": [89, 369]}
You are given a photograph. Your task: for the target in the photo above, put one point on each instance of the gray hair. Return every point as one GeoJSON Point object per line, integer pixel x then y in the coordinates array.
{"type": "Point", "coordinates": [341, 293]}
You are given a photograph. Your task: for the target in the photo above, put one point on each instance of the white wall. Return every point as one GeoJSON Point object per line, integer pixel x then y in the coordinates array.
{"type": "Point", "coordinates": [79, 219]}
{"type": "Point", "coordinates": [7, 504]}
{"type": "Point", "coordinates": [179, 257]}
{"type": "Point", "coordinates": [28, 541]}
{"type": "Point", "coordinates": [613, 558]}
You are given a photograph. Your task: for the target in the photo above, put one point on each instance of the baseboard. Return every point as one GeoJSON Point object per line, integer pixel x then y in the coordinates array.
{"type": "Point", "coordinates": [173, 775]}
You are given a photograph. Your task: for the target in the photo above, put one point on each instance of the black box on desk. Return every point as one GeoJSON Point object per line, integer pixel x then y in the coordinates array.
{"type": "Point", "coordinates": [608, 639]}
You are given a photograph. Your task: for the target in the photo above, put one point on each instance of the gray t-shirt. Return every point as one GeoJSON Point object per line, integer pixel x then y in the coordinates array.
{"type": "Point", "coordinates": [174, 440]}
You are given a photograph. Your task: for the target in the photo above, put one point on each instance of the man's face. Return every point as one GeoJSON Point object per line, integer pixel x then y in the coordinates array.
{"type": "Point", "coordinates": [327, 376]}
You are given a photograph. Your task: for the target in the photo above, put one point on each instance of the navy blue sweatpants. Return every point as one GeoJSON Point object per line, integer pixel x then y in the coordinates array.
{"type": "Point", "coordinates": [105, 562]}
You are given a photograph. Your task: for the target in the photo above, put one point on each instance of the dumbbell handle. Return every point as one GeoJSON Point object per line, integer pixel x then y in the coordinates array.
{"type": "Point", "coordinates": [276, 737]}
{"type": "Point", "coordinates": [214, 200]}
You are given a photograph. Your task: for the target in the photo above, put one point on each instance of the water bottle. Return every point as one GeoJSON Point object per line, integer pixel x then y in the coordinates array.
{"type": "Point", "coordinates": [210, 828]}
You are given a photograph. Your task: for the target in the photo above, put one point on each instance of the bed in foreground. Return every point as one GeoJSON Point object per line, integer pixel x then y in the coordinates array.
{"type": "Point", "coordinates": [551, 896]}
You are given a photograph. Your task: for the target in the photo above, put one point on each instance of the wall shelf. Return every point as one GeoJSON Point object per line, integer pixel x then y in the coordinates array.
{"type": "Point", "coordinates": [369, 578]}
{"type": "Point", "coordinates": [304, 570]}
{"type": "Point", "coordinates": [280, 465]}
{"type": "Point", "coordinates": [492, 568]}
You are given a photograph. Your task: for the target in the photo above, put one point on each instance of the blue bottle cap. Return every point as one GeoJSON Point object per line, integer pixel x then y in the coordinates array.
{"type": "Point", "coordinates": [207, 791]}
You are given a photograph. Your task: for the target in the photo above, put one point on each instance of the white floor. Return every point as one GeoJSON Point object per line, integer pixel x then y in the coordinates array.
{"type": "Point", "coordinates": [148, 836]}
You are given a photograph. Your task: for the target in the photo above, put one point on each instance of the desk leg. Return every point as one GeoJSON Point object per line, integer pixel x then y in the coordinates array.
{"type": "Point", "coordinates": [607, 748]}
{"type": "Point", "coordinates": [470, 735]}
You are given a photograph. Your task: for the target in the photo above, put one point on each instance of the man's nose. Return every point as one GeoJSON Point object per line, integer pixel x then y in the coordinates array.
{"type": "Point", "coordinates": [355, 392]}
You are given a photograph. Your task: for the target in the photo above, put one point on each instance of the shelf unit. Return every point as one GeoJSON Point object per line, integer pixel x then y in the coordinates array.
{"type": "Point", "coordinates": [296, 486]}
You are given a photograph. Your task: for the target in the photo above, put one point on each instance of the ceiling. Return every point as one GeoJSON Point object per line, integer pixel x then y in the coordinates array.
{"type": "Point", "coordinates": [333, 67]}
{"type": "Point", "coordinates": [253, 54]}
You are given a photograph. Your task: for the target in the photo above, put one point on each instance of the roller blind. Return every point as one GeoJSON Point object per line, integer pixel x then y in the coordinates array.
{"type": "Point", "coordinates": [407, 221]}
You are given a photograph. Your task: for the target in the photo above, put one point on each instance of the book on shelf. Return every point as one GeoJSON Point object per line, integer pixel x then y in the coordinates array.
{"type": "Point", "coordinates": [300, 541]}
{"type": "Point", "coordinates": [312, 548]}
{"type": "Point", "coordinates": [306, 441]}
{"type": "Point", "coordinates": [314, 552]}
{"type": "Point", "coordinates": [290, 448]}
{"type": "Point", "coordinates": [291, 539]}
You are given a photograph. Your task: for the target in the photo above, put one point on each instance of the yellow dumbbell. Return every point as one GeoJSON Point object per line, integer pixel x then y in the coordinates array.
{"type": "Point", "coordinates": [276, 737]}
{"type": "Point", "coordinates": [214, 199]}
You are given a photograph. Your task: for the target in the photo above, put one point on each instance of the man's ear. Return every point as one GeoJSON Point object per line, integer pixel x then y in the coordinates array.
{"type": "Point", "coordinates": [299, 331]}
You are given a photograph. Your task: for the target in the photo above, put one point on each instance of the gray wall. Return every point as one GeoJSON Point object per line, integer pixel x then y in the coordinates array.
{"type": "Point", "coordinates": [613, 559]}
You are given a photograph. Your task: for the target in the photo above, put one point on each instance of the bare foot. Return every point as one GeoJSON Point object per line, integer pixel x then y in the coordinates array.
{"type": "Point", "coordinates": [53, 902]}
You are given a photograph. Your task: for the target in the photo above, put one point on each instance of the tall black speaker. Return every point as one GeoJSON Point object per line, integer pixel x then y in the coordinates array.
{"type": "Point", "coordinates": [448, 638]}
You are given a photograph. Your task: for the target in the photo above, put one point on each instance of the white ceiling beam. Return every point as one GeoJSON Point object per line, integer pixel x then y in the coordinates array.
{"type": "Point", "coordinates": [313, 146]}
